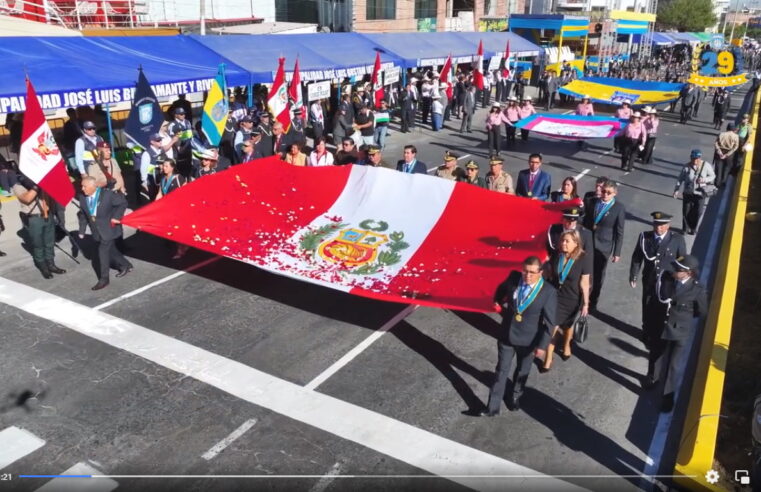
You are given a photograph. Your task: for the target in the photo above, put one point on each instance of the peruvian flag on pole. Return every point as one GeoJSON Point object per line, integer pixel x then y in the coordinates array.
{"type": "Point", "coordinates": [378, 91]}
{"type": "Point", "coordinates": [505, 63]}
{"type": "Point", "coordinates": [447, 77]}
{"type": "Point", "coordinates": [350, 228]}
{"type": "Point", "coordinates": [294, 92]}
{"type": "Point", "coordinates": [478, 69]}
{"type": "Point", "coordinates": [278, 97]}
{"type": "Point", "coordinates": [39, 158]}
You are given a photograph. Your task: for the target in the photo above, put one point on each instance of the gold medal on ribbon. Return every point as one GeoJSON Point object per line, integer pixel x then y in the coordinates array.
{"type": "Point", "coordinates": [529, 193]}
{"type": "Point", "coordinates": [518, 318]}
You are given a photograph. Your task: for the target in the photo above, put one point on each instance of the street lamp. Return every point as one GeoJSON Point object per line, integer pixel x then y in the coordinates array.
{"type": "Point", "coordinates": [734, 21]}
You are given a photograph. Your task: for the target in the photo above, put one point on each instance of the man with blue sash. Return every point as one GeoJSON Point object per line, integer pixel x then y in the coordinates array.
{"type": "Point", "coordinates": [605, 218]}
{"type": "Point", "coordinates": [527, 304]}
{"type": "Point", "coordinates": [410, 164]}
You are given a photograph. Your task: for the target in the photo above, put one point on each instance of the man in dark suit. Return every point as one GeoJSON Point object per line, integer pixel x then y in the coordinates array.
{"type": "Point", "coordinates": [410, 164]}
{"type": "Point", "coordinates": [605, 218]}
{"type": "Point", "coordinates": [553, 84]}
{"type": "Point", "coordinates": [679, 298]}
{"type": "Point", "coordinates": [527, 304]}
{"type": "Point", "coordinates": [103, 210]}
{"type": "Point", "coordinates": [468, 108]}
{"type": "Point", "coordinates": [570, 222]}
{"type": "Point", "coordinates": [656, 249]}
{"type": "Point", "coordinates": [687, 95]}
{"type": "Point", "coordinates": [533, 182]}
{"type": "Point", "coordinates": [409, 106]}
{"type": "Point", "coordinates": [590, 196]}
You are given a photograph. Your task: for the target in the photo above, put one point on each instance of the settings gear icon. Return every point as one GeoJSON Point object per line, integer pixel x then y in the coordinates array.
{"type": "Point", "coordinates": [712, 477]}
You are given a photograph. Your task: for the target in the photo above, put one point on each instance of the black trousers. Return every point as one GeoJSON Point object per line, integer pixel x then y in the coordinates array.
{"type": "Point", "coordinates": [722, 168]}
{"type": "Point", "coordinates": [685, 113]}
{"type": "Point", "coordinates": [524, 135]}
{"type": "Point", "coordinates": [598, 274]}
{"type": "Point", "coordinates": [505, 355]}
{"type": "Point", "coordinates": [693, 206]}
{"type": "Point", "coordinates": [408, 119]}
{"type": "Point", "coordinates": [510, 134]}
{"type": "Point", "coordinates": [647, 154]}
{"type": "Point", "coordinates": [628, 151]}
{"type": "Point", "coordinates": [494, 140]}
{"type": "Point", "coordinates": [550, 99]}
{"type": "Point", "coordinates": [427, 102]}
{"type": "Point", "coordinates": [485, 97]}
{"type": "Point", "coordinates": [108, 255]}
{"type": "Point", "coordinates": [666, 361]}
{"type": "Point", "coordinates": [498, 93]}
{"type": "Point", "coordinates": [318, 129]}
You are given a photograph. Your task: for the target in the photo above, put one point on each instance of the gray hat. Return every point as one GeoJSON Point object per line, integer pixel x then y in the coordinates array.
{"type": "Point", "coordinates": [88, 125]}
{"type": "Point", "coordinates": [686, 263]}
{"type": "Point", "coordinates": [179, 111]}
{"type": "Point", "coordinates": [156, 137]}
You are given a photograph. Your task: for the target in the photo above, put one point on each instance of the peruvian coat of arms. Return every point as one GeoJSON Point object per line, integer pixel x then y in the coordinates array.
{"type": "Point", "coordinates": [362, 250]}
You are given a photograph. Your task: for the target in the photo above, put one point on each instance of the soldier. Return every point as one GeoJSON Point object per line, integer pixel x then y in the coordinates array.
{"type": "Point", "coordinates": [471, 175]}
{"type": "Point", "coordinates": [678, 298]}
{"type": "Point", "coordinates": [570, 222]}
{"type": "Point", "coordinates": [84, 147]}
{"type": "Point", "coordinates": [182, 129]}
{"type": "Point", "coordinates": [36, 211]}
{"type": "Point", "coordinates": [243, 134]}
{"type": "Point", "coordinates": [497, 179]}
{"type": "Point", "coordinates": [657, 249]}
{"type": "Point", "coordinates": [266, 145]}
{"type": "Point", "coordinates": [449, 169]}
{"type": "Point", "coordinates": [374, 157]}
{"type": "Point", "coordinates": [150, 166]}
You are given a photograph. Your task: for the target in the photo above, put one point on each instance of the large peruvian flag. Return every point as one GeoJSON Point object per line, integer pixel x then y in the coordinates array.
{"type": "Point", "coordinates": [278, 97]}
{"type": "Point", "coordinates": [40, 158]}
{"type": "Point", "coordinates": [478, 69]}
{"type": "Point", "coordinates": [378, 91]}
{"type": "Point", "coordinates": [369, 231]}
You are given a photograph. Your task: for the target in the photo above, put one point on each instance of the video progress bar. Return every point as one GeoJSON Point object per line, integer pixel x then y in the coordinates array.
{"type": "Point", "coordinates": [363, 476]}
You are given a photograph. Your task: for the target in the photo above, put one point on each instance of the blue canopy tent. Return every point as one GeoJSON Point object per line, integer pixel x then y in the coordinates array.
{"type": "Point", "coordinates": [495, 42]}
{"type": "Point", "coordinates": [73, 71]}
{"type": "Point", "coordinates": [684, 38]}
{"type": "Point", "coordinates": [662, 39]}
{"type": "Point", "coordinates": [321, 56]}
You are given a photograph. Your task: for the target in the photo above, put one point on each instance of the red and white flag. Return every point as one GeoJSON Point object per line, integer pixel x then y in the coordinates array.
{"type": "Point", "coordinates": [447, 76]}
{"type": "Point", "coordinates": [478, 68]}
{"type": "Point", "coordinates": [295, 93]}
{"type": "Point", "coordinates": [350, 228]}
{"type": "Point", "coordinates": [278, 97]}
{"type": "Point", "coordinates": [40, 158]}
{"type": "Point", "coordinates": [505, 65]}
{"type": "Point", "coordinates": [378, 91]}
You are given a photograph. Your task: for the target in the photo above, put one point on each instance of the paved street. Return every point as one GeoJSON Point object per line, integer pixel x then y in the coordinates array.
{"type": "Point", "coordinates": [229, 370]}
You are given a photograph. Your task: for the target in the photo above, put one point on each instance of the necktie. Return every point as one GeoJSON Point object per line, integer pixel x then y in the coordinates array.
{"type": "Point", "coordinates": [657, 242]}
{"type": "Point", "coordinates": [531, 178]}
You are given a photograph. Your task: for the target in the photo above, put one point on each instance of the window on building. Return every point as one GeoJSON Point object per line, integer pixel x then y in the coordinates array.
{"type": "Point", "coordinates": [425, 9]}
{"type": "Point", "coordinates": [489, 7]}
{"type": "Point", "coordinates": [381, 9]}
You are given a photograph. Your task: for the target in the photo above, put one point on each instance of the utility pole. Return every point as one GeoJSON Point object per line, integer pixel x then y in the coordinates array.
{"type": "Point", "coordinates": [734, 21]}
{"type": "Point", "coordinates": [203, 17]}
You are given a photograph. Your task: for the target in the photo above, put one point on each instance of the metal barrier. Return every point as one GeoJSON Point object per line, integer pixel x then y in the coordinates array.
{"type": "Point", "coordinates": [698, 438]}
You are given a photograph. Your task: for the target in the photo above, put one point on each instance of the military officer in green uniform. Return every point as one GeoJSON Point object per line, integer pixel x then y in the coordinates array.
{"type": "Point", "coordinates": [37, 209]}
{"type": "Point", "coordinates": [471, 175]}
{"type": "Point", "coordinates": [449, 169]}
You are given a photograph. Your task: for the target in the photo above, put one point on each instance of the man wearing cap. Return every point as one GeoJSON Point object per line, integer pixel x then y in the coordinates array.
{"type": "Point", "coordinates": [409, 164]}
{"type": "Point", "coordinates": [364, 123]}
{"type": "Point", "coordinates": [265, 132]}
{"type": "Point", "coordinates": [246, 126]}
{"type": "Point", "coordinates": [634, 137]}
{"type": "Point", "coordinates": [725, 146]}
{"type": "Point", "coordinates": [527, 304]}
{"type": "Point", "coordinates": [374, 157]}
{"type": "Point", "coordinates": [347, 154]}
{"type": "Point", "coordinates": [678, 299]}
{"type": "Point", "coordinates": [744, 133]}
{"type": "Point", "coordinates": [606, 218]}
{"type": "Point", "coordinates": [553, 84]}
{"type": "Point", "coordinates": [36, 209]}
{"type": "Point", "coordinates": [497, 179]}
{"type": "Point", "coordinates": [150, 169]}
{"type": "Point", "coordinates": [106, 170]}
{"type": "Point", "coordinates": [534, 183]}
{"type": "Point", "coordinates": [183, 131]}
{"type": "Point", "coordinates": [449, 169]}
{"type": "Point", "coordinates": [471, 175]}
{"type": "Point", "coordinates": [656, 249]}
{"type": "Point", "coordinates": [687, 95]}
{"type": "Point", "coordinates": [696, 176]}
{"type": "Point", "coordinates": [569, 222]}
{"type": "Point", "coordinates": [252, 148]}
{"type": "Point", "coordinates": [84, 147]}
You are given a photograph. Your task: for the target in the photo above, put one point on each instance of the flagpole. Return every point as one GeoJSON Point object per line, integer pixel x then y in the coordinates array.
{"type": "Point", "coordinates": [110, 134]}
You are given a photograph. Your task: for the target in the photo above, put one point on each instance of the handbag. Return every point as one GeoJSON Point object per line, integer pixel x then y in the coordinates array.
{"type": "Point", "coordinates": [581, 329]}
{"type": "Point", "coordinates": [708, 189]}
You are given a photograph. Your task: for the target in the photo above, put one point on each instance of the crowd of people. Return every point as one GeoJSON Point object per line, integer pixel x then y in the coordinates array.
{"type": "Point", "coordinates": [542, 304]}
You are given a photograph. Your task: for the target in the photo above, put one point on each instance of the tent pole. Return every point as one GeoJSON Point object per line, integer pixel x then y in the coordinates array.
{"type": "Point", "coordinates": [110, 128]}
{"type": "Point", "coordinates": [584, 55]}
{"type": "Point", "coordinates": [560, 53]}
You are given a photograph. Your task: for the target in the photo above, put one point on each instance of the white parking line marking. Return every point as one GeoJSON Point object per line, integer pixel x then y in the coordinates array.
{"type": "Point", "coordinates": [463, 157]}
{"type": "Point", "coordinates": [16, 443]}
{"type": "Point", "coordinates": [327, 479]}
{"type": "Point", "coordinates": [327, 373]}
{"type": "Point", "coordinates": [581, 174]}
{"type": "Point", "coordinates": [398, 440]}
{"type": "Point", "coordinates": [157, 282]}
{"type": "Point", "coordinates": [79, 484]}
{"type": "Point", "coordinates": [221, 445]}
{"type": "Point", "coordinates": [603, 155]}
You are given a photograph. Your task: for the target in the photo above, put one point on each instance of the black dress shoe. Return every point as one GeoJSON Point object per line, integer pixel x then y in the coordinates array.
{"type": "Point", "coordinates": [3, 253]}
{"type": "Point", "coordinates": [489, 413]}
{"type": "Point", "coordinates": [515, 404]}
{"type": "Point", "coordinates": [54, 269]}
{"type": "Point", "coordinates": [124, 271]}
{"type": "Point", "coordinates": [102, 284]}
{"type": "Point", "coordinates": [46, 273]}
{"type": "Point", "coordinates": [649, 383]}
{"type": "Point", "coordinates": [667, 404]}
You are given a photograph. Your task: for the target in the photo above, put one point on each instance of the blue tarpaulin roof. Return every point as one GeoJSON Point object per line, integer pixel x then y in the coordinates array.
{"type": "Point", "coordinates": [662, 39]}
{"type": "Point", "coordinates": [75, 71]}
{"type": "Point", "coordinates": [321, 56]}
{"type": "Point", "coordinates": [683, 37]}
